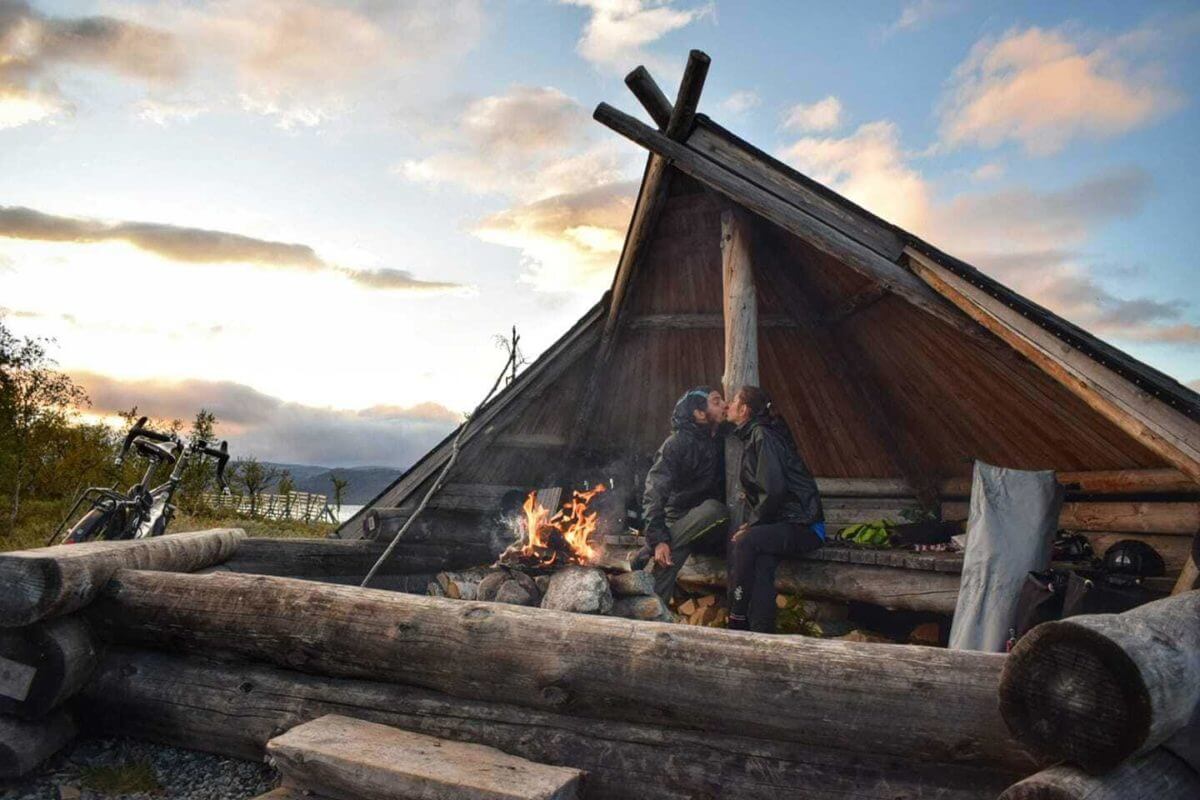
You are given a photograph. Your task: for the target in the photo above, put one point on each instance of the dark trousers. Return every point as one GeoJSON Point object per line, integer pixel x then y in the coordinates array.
{"type": "Point", "coordinates": [752, 562]}
{"type": "Point", "coordinates": [703, 529]}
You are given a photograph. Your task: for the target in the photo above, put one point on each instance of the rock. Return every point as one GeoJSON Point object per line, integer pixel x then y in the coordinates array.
{"type": "Point", "coordinates": [928, 634]}
{"type": "Point", "coordinates": [434, 590]}
{"type": "Point", "coordinates": [580, 589]}
{"type": "Point", "coordinates": [68, 792]}
{"type": "Point", "coordinates": [515, 594]}
{"type": "Point", "coordinates": [824, 611]}
{"type": "Point", "coordinates": [645, 608]}
{"type": "Point", "coordinates": [861, 635]}
{"type": "Point", "coordinates": [528, 584]}
{"type": "Point", "coordinates": [543, 583]}
{"type": "Point", "coordinates": [638, 583]}
{"type": "Point", "coordinates": [490, 585]}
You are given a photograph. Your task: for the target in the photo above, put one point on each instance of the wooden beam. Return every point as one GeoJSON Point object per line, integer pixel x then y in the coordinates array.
{"type": "Point", "coordinates": [1114, 481]}
{"type": "Point", "coordinates": [1155, 776]}
{"type": "Point", "coordinates": [897, 589]}
{"type": "Point", "coordinates": [859, 301]}
{"type": "Point", "coordinates": [50, 581]}
{"type": "Point", "coordinates": [702, 321]}
{"type": "Point", "coordinates": [740, 301]}
{"type": "Point", "coordinates": [688, 98]}
{"type": "Point", "coordinates": [531, 441]}
{"type": "Point", "coordinates": [1181, 519]}
{"type": "Point", "coordinates": [233, 708]}
{"type": "Point", "coordinates": [852, 696]}
{"type": "Point", "coordinates": [646, 90]}
{"type": "Point", "coordinates": [327, 557]}
{"type": "Point", "coordinates": [1142, 673]}
{"type": "Point", "coordinates": [1162, 429]}
{"type": "Point", "coordinates": [787, 216]}
{"type": "Point", "coordinates": [61, 652]}
{"type": "Point", "coordinates": [25, 744]}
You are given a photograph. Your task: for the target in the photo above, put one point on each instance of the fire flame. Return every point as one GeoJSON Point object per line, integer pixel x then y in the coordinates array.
{"type": "Point", "coordinates": [566, 533]}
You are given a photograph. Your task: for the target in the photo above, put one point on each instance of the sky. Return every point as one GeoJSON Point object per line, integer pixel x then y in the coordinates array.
{"type": "Point", "coordinates": [314, 218]}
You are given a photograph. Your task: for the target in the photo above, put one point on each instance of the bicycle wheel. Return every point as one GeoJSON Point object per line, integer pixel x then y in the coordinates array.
{"type": "Point", "coordinates": [91, 527]}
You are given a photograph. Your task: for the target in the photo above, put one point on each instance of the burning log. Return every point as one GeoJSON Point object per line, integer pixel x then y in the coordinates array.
{"type": "Point", "coordinates": [1158, 774]}
{"type": "Point", "coordinates": [1141, 670]}
{"type": "Point", "coordinates": [25, 744]}
{"type": "Point", "coordinates": [60, 653]}
{"type": "Point", "coordinates": [559, 539]}
{"type": "Point", "coordinates": [233, 709]}
{"type": "Point", "coordinates": [854, 697]}
{"type": "Point", "coordinates": [907, 590]}
{"type": "Point", "coordinates": [50, 581]}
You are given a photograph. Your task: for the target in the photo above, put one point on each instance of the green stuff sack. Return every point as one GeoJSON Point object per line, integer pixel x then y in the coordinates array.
{"type": "Point", "coordinates": [868, 534]}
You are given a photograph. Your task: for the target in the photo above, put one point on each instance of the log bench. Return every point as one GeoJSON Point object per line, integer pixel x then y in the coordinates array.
{"type": "Point", "coordinates": [351, 759]}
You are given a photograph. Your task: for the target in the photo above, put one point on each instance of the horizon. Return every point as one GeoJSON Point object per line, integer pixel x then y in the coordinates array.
{"type": "Point", "coordinates": [299, 217]}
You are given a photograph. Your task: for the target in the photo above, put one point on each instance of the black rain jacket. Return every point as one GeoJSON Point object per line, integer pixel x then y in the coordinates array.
{"type": "Point", "coordinates": [775, 483]}
{"type": "Point", "coordinates": [688, 469]}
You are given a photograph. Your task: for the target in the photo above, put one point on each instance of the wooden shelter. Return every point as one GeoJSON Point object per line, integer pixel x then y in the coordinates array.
{"type": "Point", "coordinates": [895, 364]}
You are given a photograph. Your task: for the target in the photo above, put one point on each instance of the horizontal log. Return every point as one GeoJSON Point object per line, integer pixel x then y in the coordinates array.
{"type": "Point", "coordinates": [353, 759]}
{"type": "Point", "coordinates": [901, 589]}
{"type": "Point", "coordinates": [837, 694]}
{"type": "Point", "coordinates": [1158, 775]}
{"type": "Point", "coordinates": [50, 581]}
{"type": "Point", "coordinates": [61, 653]}
{"type": "Point", "coordinates": [1173, 549]}
{"type": "Point", "coordinates": [1168, 518]}
{"type": "Point", "coordinates": [26, 743]}
{"type": "Point", "coordinates": [233, 708]}
{"type": "Point", "coordinates": [459, 521]}
{"type": "Point", "coordinates": [1141, 670]}
{"type": "Point", "coordinates": [1119, 481]}
{"type": "Point", "coordinates": [315, 558]}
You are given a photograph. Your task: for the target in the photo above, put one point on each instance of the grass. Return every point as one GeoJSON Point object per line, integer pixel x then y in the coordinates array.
{"type": "Point", "coordinates": [134, 778]}
{"type": "Point", "coordinates": [39, 518]}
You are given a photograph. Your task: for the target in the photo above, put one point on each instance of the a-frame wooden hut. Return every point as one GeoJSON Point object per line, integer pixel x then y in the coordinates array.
{"type": "Point", "coordinates": [896, 364]}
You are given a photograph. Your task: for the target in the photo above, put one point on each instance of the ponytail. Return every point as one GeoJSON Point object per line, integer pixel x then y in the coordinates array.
{"type": "Point", "coordinates": [761, 407]}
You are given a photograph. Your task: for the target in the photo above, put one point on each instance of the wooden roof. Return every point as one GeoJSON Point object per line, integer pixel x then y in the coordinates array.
{"type": "Point", "coordinates": [888, 357]}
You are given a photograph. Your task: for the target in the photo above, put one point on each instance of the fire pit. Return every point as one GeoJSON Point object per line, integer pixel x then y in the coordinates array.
{"type": "Point", "coordinates": [549, 541]}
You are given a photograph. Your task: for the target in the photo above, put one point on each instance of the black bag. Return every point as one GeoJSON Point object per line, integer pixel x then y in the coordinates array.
{"type": "Point", "coordinates": [1041, 599]}
{"type": "Point", "coordinates": [1096, 594]}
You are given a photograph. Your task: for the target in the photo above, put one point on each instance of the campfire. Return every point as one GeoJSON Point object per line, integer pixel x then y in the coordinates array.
{"type": "Point", "coordinates": [549, 541]}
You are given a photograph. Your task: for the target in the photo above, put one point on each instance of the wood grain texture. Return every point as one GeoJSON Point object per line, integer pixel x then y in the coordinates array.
{"type": "Point", "coordinates": [802, 690]}
{"type": "Point", "coordinates": [26, 743]}
{"type": "Point", "coordinates": [1181, 519]}
{"type": "Point", "coordinates": [1156, 776]}
{"type": "Point", "coordinates": [50, 581]}
{"type": "Point", "coordinates": [233, 708]}
{"type": "Point", "coordinates": [648, 93]}
{"type": "Point", "coordinates": [62, 653]}
{"type": "Point", "coordinates": [349, 759]}
{"type": "Point", "coordinates": [1096, 689]}
{"type": "Point", "coordinates": [327, 557]}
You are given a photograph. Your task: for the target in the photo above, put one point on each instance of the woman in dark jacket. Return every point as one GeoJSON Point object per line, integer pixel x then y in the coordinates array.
{"type": "Point", "coordinates": [782, 514]}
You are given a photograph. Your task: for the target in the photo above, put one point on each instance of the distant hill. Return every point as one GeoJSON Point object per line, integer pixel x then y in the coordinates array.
{"type": "Point", "coordinates": [364, 482]}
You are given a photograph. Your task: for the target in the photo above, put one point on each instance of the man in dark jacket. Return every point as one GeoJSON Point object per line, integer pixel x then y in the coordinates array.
{"type": "Point", "coordinates": [682, 506]}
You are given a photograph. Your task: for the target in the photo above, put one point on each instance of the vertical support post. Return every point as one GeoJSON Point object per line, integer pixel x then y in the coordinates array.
{"type": "Point", "coordinates": [741, 335]}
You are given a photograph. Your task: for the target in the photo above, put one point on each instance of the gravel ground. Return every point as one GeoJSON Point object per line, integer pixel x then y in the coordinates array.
{"type": "Point", "coordinates": [182, 774]}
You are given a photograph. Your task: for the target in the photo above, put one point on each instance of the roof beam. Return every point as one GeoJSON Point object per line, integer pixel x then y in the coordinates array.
{"type": "Point", "coordinates": [688, 98]}
{"type": "Point", "coordinates": [710, 321]}
{"type": "Point", "coordinates": [1171, 434]}
{"type": "Point", "coordinates": [860, 300]}
{"type": "Point", "coordinates": [646, 90]}
{"type": "Point", "coordinates": [857, 256]}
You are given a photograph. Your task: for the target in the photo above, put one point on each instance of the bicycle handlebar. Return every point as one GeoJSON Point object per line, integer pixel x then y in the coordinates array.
{"type": "Point", "coordinates": [139, 429]}
{"type": "Point", "coordinates": [221, 453]}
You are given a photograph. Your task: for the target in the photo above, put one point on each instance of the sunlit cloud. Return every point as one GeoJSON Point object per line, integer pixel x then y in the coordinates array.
{"type": "Point", "coordinates": [1032, 240]}
{"type": "Point", "coordinates": [1043, 88]}
{"type": "Point", "coordinates": [197, 245]}
{"type": "Point", "coordinates": [272, 429]}
{"type": "Point", "coordinates": [618, 32]}
{"type": "Point", "coordinates": [741, 101]}
{"type": "Point", "coordinates": [823, 115]}
{"type": "Point", "coordinates": [916, 14]}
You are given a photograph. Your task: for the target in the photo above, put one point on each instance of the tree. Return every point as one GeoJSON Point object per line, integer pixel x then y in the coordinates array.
{"type": "Point", "coordinates": [285, 487]}
{"type": "Point", "coordinates": [339, 489]}
{"type": "Point", "coordinates": [254, 476]}
{"type": "Point", "coordinates": [36, 406]}
{"type": "Point", "coordinates": [198, 475]}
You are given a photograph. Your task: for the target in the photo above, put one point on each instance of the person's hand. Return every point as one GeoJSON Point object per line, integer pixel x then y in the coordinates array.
{"type": "Point", "coordinates": [662, 554]}
{"type": "Point", "coordinates": [741, 531]}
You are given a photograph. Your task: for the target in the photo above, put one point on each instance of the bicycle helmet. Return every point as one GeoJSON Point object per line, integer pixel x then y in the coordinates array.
{"type": "Point", "coordinates": [1135, 558]}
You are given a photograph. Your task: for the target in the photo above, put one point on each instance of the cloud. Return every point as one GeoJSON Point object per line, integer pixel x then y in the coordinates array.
{"type": "Point", "coordinates": [1194, 385]}
{"type": "Point", "coordinates": [35, 48]}
{"type": "Point", "coordinates": [916, 14]}
{"type": "Point", "coordinates": [195, 245]}
{"type": "Point", "coordinates": [1043, 88]}
{"type": "Point", "coordinates": [987, 172]}
{"type": "Point", "coordinates": [618, 32]}
{"type": "Point", "coordinates": [300, 63]}
{"type": "Point", "coordinates": [165, 112]}
{"type": "Point", "coordinates": [741, 101]}
{"type": "Point", "coordinates": [1029, 239]}
{"type": "Point", "coordinates": [272, 429]}
{"type": "Point", "coordinates": [823, 115]}
{"type": "Point", "coordinates": [569, 242]}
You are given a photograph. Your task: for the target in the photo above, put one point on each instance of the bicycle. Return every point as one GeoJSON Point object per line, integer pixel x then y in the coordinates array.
{"type": "Point", "coordinates": [143, 511]}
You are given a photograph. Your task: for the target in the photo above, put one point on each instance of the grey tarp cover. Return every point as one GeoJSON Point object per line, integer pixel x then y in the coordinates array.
{"type": "Point", "coordinates": [1010, 531]}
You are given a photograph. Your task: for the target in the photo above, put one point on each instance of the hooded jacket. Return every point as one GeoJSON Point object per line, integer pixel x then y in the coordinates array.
{"type": "Point", "coordinates": [688, 469]}
{"type": "Point", "coordinates": [775, 483]}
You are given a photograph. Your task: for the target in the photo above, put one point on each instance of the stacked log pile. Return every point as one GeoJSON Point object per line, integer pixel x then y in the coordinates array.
{"type": "Point", "coordinates": [48, 650]}
{"type": "Point", "coordinates": [1116, 697]}
{"type": "Point", "coordinates": [660, 709]}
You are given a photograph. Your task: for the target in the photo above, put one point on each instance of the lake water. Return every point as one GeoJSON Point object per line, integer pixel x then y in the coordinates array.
{"type": "Point", "coordinates": [348, 512]}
